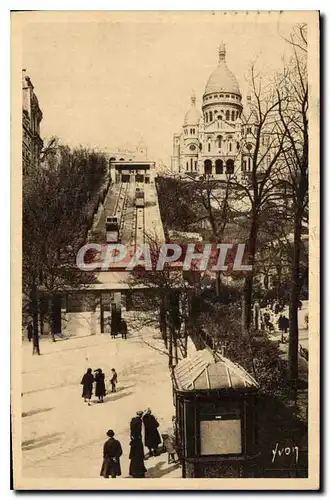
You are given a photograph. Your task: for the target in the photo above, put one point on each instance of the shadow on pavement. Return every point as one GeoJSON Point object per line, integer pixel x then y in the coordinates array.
{"type": "Point", "coordinates": [114, 396]}
{"type": "Point", "coordinates": [34, 412]}
{"type": "Point", "coordinates": [158, 471]}
{"type": "Point", "coordinates": [30, 444]}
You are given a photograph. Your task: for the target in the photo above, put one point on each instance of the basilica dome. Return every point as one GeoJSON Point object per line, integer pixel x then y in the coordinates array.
{"type": "Point", "coordinates": [222, 79]}
{"type": "Point", "coordinates": [192, 117]}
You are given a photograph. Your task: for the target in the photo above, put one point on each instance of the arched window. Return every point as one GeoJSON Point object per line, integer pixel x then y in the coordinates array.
{"type": "Point", "coordinates": [218, 166]}
{"type": "Point", "coordinates": [229, 166]}
{"type": "Point", "coordinates": [208, 167]}
{"type": "Point", "coordinates": [219, 141]}
{"type": "Point", "coordinates": [227, 115]}
{"type": "Point", "coordinates": [233, 116]}
{"type": "Point", "coordinates": [206, 117]}
{"type": "Point", "coordinates": [211, 116]}
{"type": "Point", "coordinates": [209, 146]}
{"type": "Point", "coordinates": [230, 147]}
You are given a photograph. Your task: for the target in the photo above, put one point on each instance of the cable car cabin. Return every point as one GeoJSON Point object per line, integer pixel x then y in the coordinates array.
{"type": "Point", "coordinates": [139, 198]}
{"type": "Point", "coordinates": [112, 229]}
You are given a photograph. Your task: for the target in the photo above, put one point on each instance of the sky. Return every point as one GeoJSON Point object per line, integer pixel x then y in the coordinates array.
{"type": "Point", "coordinates": [107, 80]}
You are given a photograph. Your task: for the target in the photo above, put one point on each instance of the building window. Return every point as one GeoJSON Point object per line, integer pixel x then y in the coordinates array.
{"type": "Point", "coordinates": [244, 166]}
{"type": "Point", "coordinates": [233, 116]}
{"type": "Point", "coordinates": [211, 116]}
{"type": "Point", "coordinates": [209, 146]}
{"type": "Point", "coordinates": [192, 147]}
{"type": "Point", "coordinates": [218, 166]}
{"type": "Point", "coordinates": [208, 167]}
{"type": "Point", "coordinates": [191, 164]}
{"type": "Point", "coordinates": [230, 147]}
{"type": "Point", "coordinates": [195, 165]}
{"type": "Point", "coordinates": [187, 166]}
{"type": "Point", "coordinates": [219, 139]}
{"type": "Point", "coordinates": [229, 166]}
{"type": "Point", "coordinates": [227, 95]}
{"type": "Point", "coordinates": [248, 130]}
{"type": "Point", "coordinates": [227, 115]}
{"type": "Point", "coordinates": [206, 117]}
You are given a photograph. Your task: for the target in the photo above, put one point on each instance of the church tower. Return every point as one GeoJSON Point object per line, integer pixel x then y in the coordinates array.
{"type": "Point", "coordinates": [210, 142]}
{"type": "Point", "coordinates": [222, 108]}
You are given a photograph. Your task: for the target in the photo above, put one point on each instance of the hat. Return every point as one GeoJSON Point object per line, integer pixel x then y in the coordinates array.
{"type": "Point", "coordinates": [110, 433]}
{"type": "Point", "coordinates": [139, 413]}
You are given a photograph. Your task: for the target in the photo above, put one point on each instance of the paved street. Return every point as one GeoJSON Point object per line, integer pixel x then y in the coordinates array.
{"type": "Point", "coordinates": [62, 435]}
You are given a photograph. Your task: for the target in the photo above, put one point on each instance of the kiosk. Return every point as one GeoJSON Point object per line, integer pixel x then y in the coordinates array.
{"type": "Point", "coordinates": [215, 416]}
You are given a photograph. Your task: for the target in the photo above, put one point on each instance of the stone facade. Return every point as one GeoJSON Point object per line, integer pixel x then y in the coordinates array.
{"type": "Point", "coordinates": [218, 140]}
{"type": "Point", "coordinates": [32, 115]}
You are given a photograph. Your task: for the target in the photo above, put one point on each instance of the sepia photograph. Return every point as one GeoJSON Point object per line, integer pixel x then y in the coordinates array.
{"type": "Point", "coordinates": [165, 250]}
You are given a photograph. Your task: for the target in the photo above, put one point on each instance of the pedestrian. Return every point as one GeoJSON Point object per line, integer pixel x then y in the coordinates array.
{"type": "Point", "coordinates": [99, 385]}
{"type": "Point", "coordinates": [136, 467]}
{"type": "Point", "coordinates": [113, 380]}
{"type": "Point", "coordinates": [30, 331]}
{"type": "Point", "coordinates": [151, 434]}
{"type": "Point", "coordinates": [87, 383]}
{"type": "Point", "coordinates": [123, 329]}
{"type": "Point", "coordinates": [285, 324]}
{"type": "Point", "coordinates": [112, 451]}
{"type": "Point", "coordinates": [136, 425]}
{"type": "Point", "coordinates": [35, 342]}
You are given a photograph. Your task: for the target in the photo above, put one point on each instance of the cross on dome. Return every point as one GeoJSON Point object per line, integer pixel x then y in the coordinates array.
{"type": "Point", "coordinates": [222, 52]}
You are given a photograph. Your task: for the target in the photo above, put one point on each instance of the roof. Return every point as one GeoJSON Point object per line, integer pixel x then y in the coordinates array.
{"type": "Point", "coordinates": [192, 116]}
{"type": "Point", "coordinates": [222, 79]}
{"type": "Point", "coordinates": [204, 371]}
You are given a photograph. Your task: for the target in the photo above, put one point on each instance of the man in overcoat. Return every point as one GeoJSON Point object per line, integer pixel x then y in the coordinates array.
{"type": "Point", "coordinates": [151, 434]}
{"type": "Point", "coordinates": [112, 451]}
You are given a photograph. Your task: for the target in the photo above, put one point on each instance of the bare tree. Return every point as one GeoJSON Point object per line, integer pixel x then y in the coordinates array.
{"type": "Point", "coordinates": [293, 111]}
{"type": "Point", "coordinates": [262, 145]}
{"type": "Point", "coordinates": [168, 291]}
{"type": "Point", "coordinates": [59, 197]}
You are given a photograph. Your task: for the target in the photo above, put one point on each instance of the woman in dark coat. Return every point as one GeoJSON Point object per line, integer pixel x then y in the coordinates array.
{"type": "Point", "coordinates": [151, 434]}
{"type": "Point", "coordinates": [112, 451]}
{"type": "Point", "coordinates": [136, 455]}
{"type": "Point", "coordinates": [99, 385]}
{"type": "Point", "coordinates": [87, 383]}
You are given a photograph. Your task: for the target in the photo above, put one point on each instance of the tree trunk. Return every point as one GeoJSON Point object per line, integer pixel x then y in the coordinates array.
{"type": "Point", "coordinates": [185, 349]}
{"type": "Point", "coordinates": [247, 298]}
{"type": "Point", "coordinates": [34, 308]}
{"type": "Point", "coordinates": [170, 349]}
{"type": "Point", "coordinates": [218, 284]}
{"type": "Point", "coordinates": [162, 320]}
{"type": "Point", "coordinates": [294, 300]}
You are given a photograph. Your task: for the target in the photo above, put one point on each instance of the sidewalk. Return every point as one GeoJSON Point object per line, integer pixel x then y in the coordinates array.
{"type": "Point", "coordinates": [62, 436]}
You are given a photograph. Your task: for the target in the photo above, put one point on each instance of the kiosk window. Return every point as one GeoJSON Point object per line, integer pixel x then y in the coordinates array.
{"type": "Point", "coordinates": [220, 429]}
{"type": "Point", "coordinates": [220, 437]}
